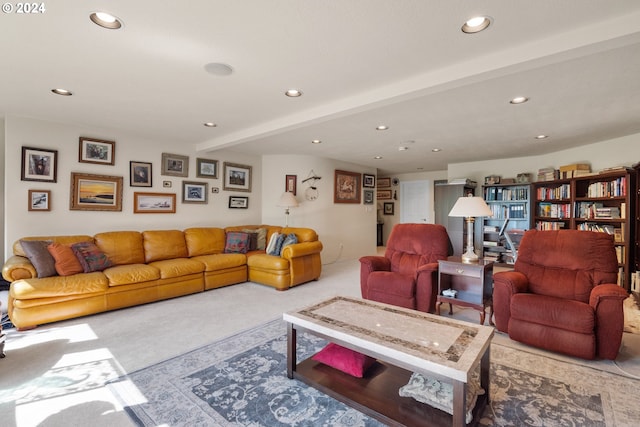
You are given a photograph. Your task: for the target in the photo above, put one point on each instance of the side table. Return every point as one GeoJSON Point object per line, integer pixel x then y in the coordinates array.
{"type": "Point", "coordinates": [473, 283]}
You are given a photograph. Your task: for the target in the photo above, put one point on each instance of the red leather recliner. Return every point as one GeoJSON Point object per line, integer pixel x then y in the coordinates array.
{"type": "Point", "coordinates": [407, 274]}
{"type": "Point", "coordinates": [562, 294]}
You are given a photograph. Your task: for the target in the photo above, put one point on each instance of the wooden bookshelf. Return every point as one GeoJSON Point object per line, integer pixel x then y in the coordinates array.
{"type": "Point", "coordinates": [511, 203]}
{"type": "Point", "coordinates": [602, 202]}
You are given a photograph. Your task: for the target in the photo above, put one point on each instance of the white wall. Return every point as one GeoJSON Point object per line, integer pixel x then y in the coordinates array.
{"type": "Point", "coordinates": [2, 183]}
{"type": "Point", "coordinates": [623, 151]}
{"type": "Point", "coordinates": [19, 222]}
{"type": "Point", "coordinates": [351, 225]}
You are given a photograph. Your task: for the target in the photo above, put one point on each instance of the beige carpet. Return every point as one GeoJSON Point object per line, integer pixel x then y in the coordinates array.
{"type": "Point", "coordinates": [99, 348]}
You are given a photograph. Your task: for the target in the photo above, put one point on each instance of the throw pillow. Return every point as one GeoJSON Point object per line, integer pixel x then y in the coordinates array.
{"type": "Point", "coordinates": [440, 395]}
{"type": "Point", "coordinates": [36, 251]}
{"type": "Point", "coordinates": [65, 260]}
{"type": "Point", "coordinates": [277, 246]}
{"type": "Point", "coordinates": [236, 243]}
{"type": "Point", "coordinates": [90, 256]}
{"type": "Point", "coordinates": [253, 241]}
{"type": "Point", "coordinates": [262, 239]}
{"type": "Point", "coordinates": [343, 359]}
{"type": "Point", "coordinates": [272, 242]}
{"type": "Point", "coordinates": [289, 240]}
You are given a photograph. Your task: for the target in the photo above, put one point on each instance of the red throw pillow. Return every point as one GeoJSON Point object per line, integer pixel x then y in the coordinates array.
{"type": "Point", "coordinates": [66, 262]}
{"type": "Point", "coordinates": [348, 361]}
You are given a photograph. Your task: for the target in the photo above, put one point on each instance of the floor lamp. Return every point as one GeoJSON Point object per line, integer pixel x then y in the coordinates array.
{"type": "Point", "coordinates": [470, 207]}
{"type": "Point", "coordinates": [287, 200]}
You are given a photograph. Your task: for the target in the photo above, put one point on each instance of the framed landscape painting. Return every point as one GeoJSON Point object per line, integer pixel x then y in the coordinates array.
{"type": "Point", "coordinates": [175, 165]}
{"type": "Point", "coordinates": [95, 192]}
{"type": "Point", "coordinates": [39, 200]}
{"type": "Point", "coordinates": [154, 202]}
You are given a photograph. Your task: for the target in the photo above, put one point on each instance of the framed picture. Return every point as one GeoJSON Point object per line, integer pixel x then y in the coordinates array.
{"type": "Point", "coordinates": [95, 192]}
{"type": "Point", "coordinates": [383, 194]}
{"type": "Point", "coordinates": [175, 165]}
{"type": "Point", "coordinates": [346, 187]}
{"type": "Point", "coordinates": [139, 174]}
{"type": "Point", "coordinates": [388, 208]}
{"type": "Point", "coordinates": [290, 184]}
{"type": "Point", "coordinates": [367, 196]}
{"type": "Point", "coordinates": [39, 164]}
{"type": "Point", "coordinates": [237, 177]}
{"type": "Point", "coordinates": [96, 151]}
{"type": "Point", "coordinates": [39, 200]}
{"type": "Point", "coordinates": [368, 181]}
{"type": "Point", "coordinates": [194, 192]}
{"type": "Point", "coordinates": [154, 202]}
{"type": "Point", "coordinates": [238, 202]}
{"type": "Point", "coordinates": [206, 168]}
{"type": "Point", "coordinates": [384, 182]}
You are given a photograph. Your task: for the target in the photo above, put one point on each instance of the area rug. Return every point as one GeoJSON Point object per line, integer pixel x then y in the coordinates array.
{"type": "Point", "coordinates": [241, 380]}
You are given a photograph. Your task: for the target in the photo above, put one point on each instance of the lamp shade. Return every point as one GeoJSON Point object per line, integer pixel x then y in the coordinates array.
{"type": "Point", "coordinates": [287, 200]}
{"type": "Point", "coordinates": [470, 206]}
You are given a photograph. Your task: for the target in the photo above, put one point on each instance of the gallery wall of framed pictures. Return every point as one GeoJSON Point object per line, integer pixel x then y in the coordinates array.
{"type": "Point", "coordinates": [98, 191]}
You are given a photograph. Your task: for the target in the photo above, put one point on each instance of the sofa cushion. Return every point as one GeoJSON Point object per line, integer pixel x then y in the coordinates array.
{"type": "Point", "coordinates": [121, 247]}
{"type": "Point", "coordinates": [221, 261]}
{"type": "Point", "coordinates": [90, 256]}
{"type": "Point", "coordinates": [78, 284]}
{"type": "Point", "coordinates": [237, 242]}
{"type": "Point", "coordinates": [36, 251]}
{"type": "Point", "coordinates": [164, 244]}
{"type": "Point", "coordinates": [66, 262]}
{"type": "Point", "coordinates": [343, 359]}
{"type": "Point", "coordinates": [170, 268]}
{"type": "Point", "coordinates": [204, 240]}
{"type": "Point", "coordinates": [128, 274]}
{"type": "Point", "coordinates": [570, 315]}
{"type": "Point", "coordinates": [262, 261]}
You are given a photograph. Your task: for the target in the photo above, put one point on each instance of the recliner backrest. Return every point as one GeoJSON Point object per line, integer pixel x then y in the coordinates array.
{"type": "Point", "coordinates": [567, 263]}
{"type": "Point", "coordinates": [411, 245]}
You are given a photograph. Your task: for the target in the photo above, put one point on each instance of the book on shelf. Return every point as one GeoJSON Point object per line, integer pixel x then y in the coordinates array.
{"type": "Point", "coordinates": [489, 243]}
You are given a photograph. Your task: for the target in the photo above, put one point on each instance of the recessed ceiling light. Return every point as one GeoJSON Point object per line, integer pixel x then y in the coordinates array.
{"type": "Point", "coordinates": [542, 136]}
{"type": "Point", "coordinates": [62, 92]}
{"type": "Point", "coordinates": [210, 125]}
{"type": "Point", "coordinates": [378, 157]}
{"type": "Point", "coordinates": [218, 69]}
{"type": "Point", "coordinates": [476, 24]}
{"type": "Point", "coordinates": [316, 141]}
{"type": "Point", "coordinates": [436, 150]}
{"type": "Point", "coordinates": [382, 127]}
{"type": "Point", "coordinates": [403, 148]}
{"type": "Point", "coordinates": [519, 100]}
{"type": "Point", "coordinates": [106, 20]}
{"type": "Point", "coordinates": [293, 93]}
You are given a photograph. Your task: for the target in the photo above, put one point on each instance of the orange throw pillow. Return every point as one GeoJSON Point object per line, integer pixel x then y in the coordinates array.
{"type": "Point", "coordinates": [66, 262]}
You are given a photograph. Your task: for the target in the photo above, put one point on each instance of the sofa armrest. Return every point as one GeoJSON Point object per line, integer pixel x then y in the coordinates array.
{"type": "Point", "coordinates": [505, 285]}
{"type": "Point", "coordinates": [427, 287]}
{"type": "Point", "coordinates": [301, 249]}
{"type": "Point", "coordinates": [18, 267]}
{"type": "Point", "coordinates": [607, 301]}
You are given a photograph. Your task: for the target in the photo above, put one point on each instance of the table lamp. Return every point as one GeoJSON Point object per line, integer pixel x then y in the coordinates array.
{"type": "Point", "coordinates": [470, 207]}
{"type": "Point", "coordinates": [287, 200]}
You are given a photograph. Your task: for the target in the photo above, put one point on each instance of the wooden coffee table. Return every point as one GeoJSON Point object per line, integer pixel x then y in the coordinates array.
{"type": "Point", "coordinates": [403, 341]}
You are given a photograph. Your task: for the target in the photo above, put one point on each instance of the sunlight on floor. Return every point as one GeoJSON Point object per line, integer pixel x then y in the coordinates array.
{"type": "Point", "coordinates": [69, 380]}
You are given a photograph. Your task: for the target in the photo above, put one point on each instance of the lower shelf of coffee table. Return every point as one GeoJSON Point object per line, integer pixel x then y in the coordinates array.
{"type": "Point", "coordinates": [377, 395]}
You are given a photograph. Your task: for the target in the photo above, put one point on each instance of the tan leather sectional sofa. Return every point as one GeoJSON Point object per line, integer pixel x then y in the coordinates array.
{"type": "Point", "coordinates": [153, 265]}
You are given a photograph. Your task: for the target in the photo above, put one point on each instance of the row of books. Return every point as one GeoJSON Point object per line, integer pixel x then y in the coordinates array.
{"type": "Point", "coordinates": [596, 210]}
{"type": "Point", "coordinates": [549, 225]}
{"type": "Point", "coordinates": [617, 232]}
{"type": "Point", "coordinates": [635, 281]}
{"type": "Point", "coordinates": [614, 188]}
{"type": "Point", "coordinates": [500, 193]}
{"type": "Point", "coordinates": [554, 210]}
{"type": "Point", "coordinates": [554, 193]}
{"type": "Point", "coordinates": [514, 211]}
{"type": "Point", "coordinates": [548, 174]}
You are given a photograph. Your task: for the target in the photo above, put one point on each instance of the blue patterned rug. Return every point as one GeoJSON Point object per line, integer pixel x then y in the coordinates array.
{"type": "Point", "coordinates": [241, 380]}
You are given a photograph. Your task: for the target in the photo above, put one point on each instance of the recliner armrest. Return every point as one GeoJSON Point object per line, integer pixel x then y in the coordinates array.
{"type": "Point", "coordinates": [607, 301]}
{"type": "Point", "coordinates": [505, 285]}
{"type": "Point", "coordinates": [375, 263]}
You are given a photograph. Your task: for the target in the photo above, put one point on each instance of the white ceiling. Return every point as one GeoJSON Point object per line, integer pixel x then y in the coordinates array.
{"type": "Point", "coordinates": [360, 63]}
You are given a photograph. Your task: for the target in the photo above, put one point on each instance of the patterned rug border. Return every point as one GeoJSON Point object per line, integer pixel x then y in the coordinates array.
{"type": "Point", "coordinates": [609, 385]}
